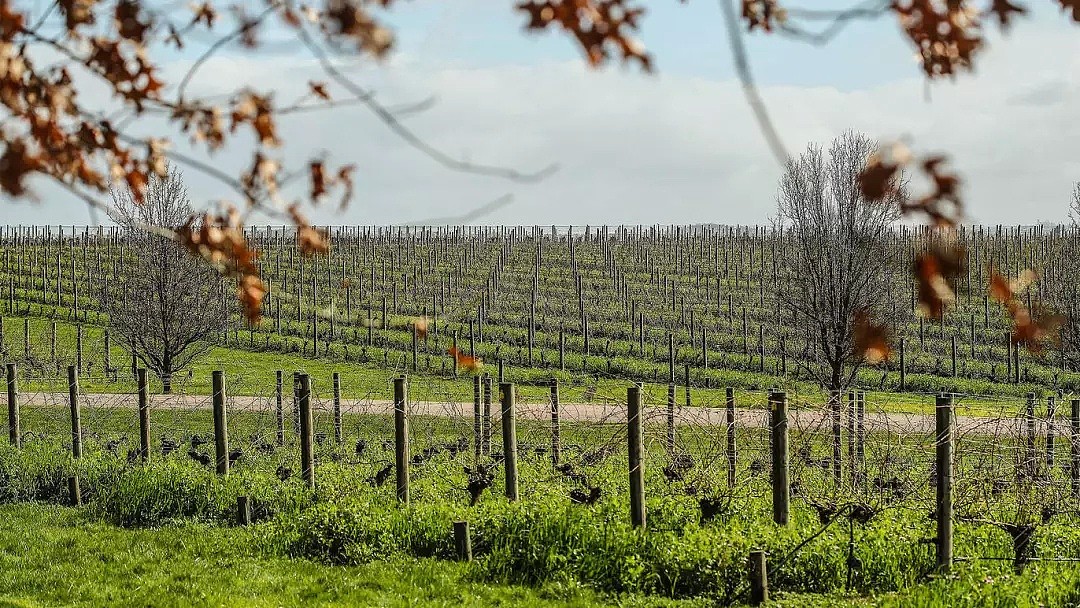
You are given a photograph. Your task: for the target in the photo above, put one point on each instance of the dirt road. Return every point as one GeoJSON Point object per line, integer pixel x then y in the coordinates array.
{"type": "Point", "coordinates": [799, 419]}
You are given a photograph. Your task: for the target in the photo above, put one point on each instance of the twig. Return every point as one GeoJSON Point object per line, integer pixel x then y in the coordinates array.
{"type": "Point", "coordinates": [470, 216]}
{"type": "Point", "coordinates": [753, 97]}
{"type": "Point", "coordinates": [213, 48]}
{"type": "Point", "coordinates": [838, 20]}
{"type": "Point", "coordinates": [411, 138]}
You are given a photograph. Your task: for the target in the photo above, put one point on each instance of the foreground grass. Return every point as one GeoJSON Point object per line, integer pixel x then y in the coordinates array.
{"type": "Point", "coordinates": [54, 556]}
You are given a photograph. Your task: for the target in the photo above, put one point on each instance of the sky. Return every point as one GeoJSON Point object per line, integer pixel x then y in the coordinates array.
{"type": "Point", "coordinates": [674, 147]}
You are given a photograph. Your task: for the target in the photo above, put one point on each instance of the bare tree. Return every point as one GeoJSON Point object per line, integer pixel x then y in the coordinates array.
{"type": "Point", "coordinates": [1074, 205]}
{"type": "Point", "coordinates": [1059, 281]}
{"type": "Point", "coordinates": [165, 303]}
{"type": "Point", "coordinates": [838, 254]}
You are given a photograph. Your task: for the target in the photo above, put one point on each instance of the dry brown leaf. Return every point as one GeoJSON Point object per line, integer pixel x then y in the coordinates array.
{"type": "Point", "coordinates": [936, 272]}
{"type": "Point", "coordinates": [1002, 290]}
{"type": "Point", "coordinates": [763, 14]}
{"type": "Point", "coordinates": [465, 361]}
{"type": "Point", "coordinates": [597, 25]}
{"type": "Point", "coordinates": [204, 13]}
{"type": "Point", "coordinates": [318, 89]}
{"type": "Point", "coordinates": [1072, 7]}
{"type": "Point", "coordinates": [946, 35]}
{"type": "Point", "coordinates": [309, 239]}
{"type": "Point", "coordinates": [420, 326]}
{"type": "Point", "coordinates": [871, 339]}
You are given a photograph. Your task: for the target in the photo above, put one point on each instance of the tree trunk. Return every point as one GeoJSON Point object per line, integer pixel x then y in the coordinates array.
{"type": "Point", "coordinates": [836, 379]}
{"type": "Point", "coordinates": [166, 373]}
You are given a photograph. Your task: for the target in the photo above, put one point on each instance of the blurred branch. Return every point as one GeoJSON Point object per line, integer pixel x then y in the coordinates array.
{"type": "Point", "coordinates": [406, 134]}
{"type": "Point", "coordinates": [465, 218]}
{"type": "Point", "coordinates": [753, 97]}
{"type": "Point", "coordinates": [838, 20]}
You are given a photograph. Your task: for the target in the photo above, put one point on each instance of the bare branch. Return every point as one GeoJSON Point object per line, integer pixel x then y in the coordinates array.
{"type": "Point", "coordinates": [753, 97]}
{"type": "Point", "coordinates": [406, 134]}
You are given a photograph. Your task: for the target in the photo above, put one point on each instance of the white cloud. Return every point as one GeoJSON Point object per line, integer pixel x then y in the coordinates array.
{"type": "Point", "coordinates": [663, 149]}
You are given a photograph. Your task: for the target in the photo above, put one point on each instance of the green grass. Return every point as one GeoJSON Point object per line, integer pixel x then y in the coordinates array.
{"type": "Point", "coordinates": [348, 543]}
{"type": "Point", "coordinates": [544, 538]}
{"type": "Point", "coordinates": [55, 556]}
{"type": "Point", "coordinates": [52, 556]}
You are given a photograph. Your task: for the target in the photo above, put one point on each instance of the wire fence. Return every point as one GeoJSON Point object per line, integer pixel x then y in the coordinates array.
{"type": "Point", "coordinates": [1018, 465]}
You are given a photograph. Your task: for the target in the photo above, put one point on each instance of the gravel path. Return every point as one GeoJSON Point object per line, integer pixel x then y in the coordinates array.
{"type": "Point", "coordinates": [816, 419]}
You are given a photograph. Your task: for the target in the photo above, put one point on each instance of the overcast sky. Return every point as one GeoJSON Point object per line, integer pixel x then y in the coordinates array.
{"type": "Point", "coordinates": [678, 146]}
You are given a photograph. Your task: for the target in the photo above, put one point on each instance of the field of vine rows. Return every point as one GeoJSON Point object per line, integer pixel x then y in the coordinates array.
{"type": "Point", "coordinates": [642, 428]}
{"type": "Point", "coordinates": [634, 304]}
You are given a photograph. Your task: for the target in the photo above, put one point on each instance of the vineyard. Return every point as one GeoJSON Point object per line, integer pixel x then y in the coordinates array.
{"type": "Point", "coordinates": [701, 306]}
{"type": "Point", "coordinates": [645, 422]}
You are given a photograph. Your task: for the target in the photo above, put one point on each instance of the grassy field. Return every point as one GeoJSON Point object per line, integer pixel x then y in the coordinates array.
{"type": "Point", "coordinates": [71, 560]}
{"type": "Point", "coordinates": [252, 372]}
{"type": "Point", "coordinates": [163, 532]}
{"type": "Point", "coordinates": [68, 559]}
{"type": "Point", "coordinates": [349, 536]}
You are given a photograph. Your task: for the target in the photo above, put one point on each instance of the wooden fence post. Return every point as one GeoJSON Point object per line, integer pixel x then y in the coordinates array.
{"type": "Point", "coordinates": [337, 407]}
{"type": "Point", "coordinates": [307, 432]}
{"type": "Point", "coordinates": [686, 386]}
{"type": "Point", "coordinates": [296, 402]}
{"type": "Point", "coordinates": [705, 353]}
{"type": "Point", "coordinates": [401, 437]}
{"type": "Point", "coordinates": [835, 398]}
{"type": "Point", "coordinates": [414, 350]}
{"type": "Point", "coordinates": [1031, 464]}
{"type": "Point", "coordinates": [243, 510]}
{"type": "Point", "coordinates": [76, 419]}
{"type": "Point", "coordinates": [478, 421]}
{"type": "Point", "coordinates": [1075, 446]}
{"type": "Point", "coordinates": [729, 394]}
{"type": "Point", "coordinates": [279, 407]}
{"type": "Point", "coordinates": [851, 436]}
{"type": "Point", "coordinates": [903, 364]}
{"type": "Point", "coordinates": [781, 486]}
{"type": "Point", "coordinates": [759, 579]}
{"type": "Point", "coordinates": [509, 436]}
{"type": "Point", "coordinates": [860, 440]}
{"type": "Point", "coordinates": [487, 416]}
{"type": "Point", "coordinates": [14, 428]}
{"type": "Point", "coordinates": [74, 492]}
{"type": "Point", "coordinates": [671, 419]}
{"type": "Point", "coordinates": [556, 441]}
{"type": "Point", "coordinates": [635, 443]}
{"type": "Point", "coordinates": [144, 414]}
{"type": "Point", "coordinates": [453, 356]}
{"type": "Point", "coordinates": [108, 350]}
{"type": "Point", "coordinates": [221, 427]}
{"type": "Point", "coordinates": [944, 464]}
{"type": "Point", "coordinates": [462, 541]}
{"type": "Point", "coordinates": [1051, 412]}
